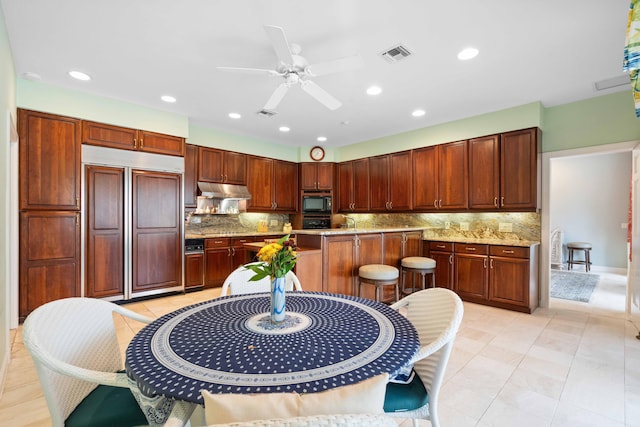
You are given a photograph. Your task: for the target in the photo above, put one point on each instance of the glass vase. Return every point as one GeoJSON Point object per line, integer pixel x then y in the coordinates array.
{"type": "Point", "coordinates": [277, 299]}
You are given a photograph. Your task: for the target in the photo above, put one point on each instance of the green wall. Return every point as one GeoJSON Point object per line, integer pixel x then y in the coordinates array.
{"type": "Point", "coordinates": [7, 108]}
{"type": "Point", "coordinates": [604, 120]}
{"type": "Point", "coordinates": [51, 99]}
{"type": "Point", "coordinates": [524, 116]}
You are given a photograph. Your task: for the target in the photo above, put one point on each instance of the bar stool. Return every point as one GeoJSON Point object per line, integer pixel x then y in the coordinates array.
{"type": "Point", "coordinates": [378, 275]}
{"type": "Point", "coordinates": [420, 265]}
{"type": "Point", "coordinates": [579, 246]}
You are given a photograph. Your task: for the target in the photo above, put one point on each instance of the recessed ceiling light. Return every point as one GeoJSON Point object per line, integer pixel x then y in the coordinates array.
{"type": "Point", "coordinates": [374, 90]}
{"type": "Point", "coordinates": [418, 113]}
{"type": "Point", "coordinates": [168, 98]}
{"type": "Point", "coordinates": [235, 115]}
{"type": "Point", "coordinates": [284, 129]}
{"type": "Point", "coordinates": [468, 53]}
{"type": "Point", "coordinates": [321, 138]}
{"type": "Point", "coordinates": [79, 75]}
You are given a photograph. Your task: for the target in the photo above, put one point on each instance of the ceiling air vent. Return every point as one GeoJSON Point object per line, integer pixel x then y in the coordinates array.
{"type": "Point", "coordinates": [396, 53]}
{"type": "Point", "coordinates": [266, 113]}
{"type": "Point", "coordinates": [612, 82]}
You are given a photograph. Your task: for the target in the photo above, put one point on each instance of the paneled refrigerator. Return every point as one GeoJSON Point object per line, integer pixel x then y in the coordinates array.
{"type": "Point", "coordinates": [132, 223]}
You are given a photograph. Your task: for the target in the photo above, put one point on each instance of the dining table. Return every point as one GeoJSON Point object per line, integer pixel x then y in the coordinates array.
{"type": "Point", "coordinates": [230, 345]}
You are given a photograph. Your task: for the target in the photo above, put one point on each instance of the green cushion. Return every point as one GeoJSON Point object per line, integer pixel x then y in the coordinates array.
{"type": "Point", "coordinates": [109, 407]}
{"type": "Point", "coordinates": [405, 397]}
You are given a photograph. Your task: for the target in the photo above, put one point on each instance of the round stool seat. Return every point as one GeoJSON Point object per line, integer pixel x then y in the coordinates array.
{"type": "Point", "coordinates": [418, 262]}
{"type": "Point", "coordinates": [579, 245]}
{"type": "Point", "coordinates": [378, 272]}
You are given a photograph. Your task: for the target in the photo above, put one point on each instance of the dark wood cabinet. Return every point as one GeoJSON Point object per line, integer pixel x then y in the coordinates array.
{"type": "Point", "coordinates": [496, 275]}
{"type": "Point", "coordinates": [49, 151]}
{"type": "Point", "coordinates": [273, 185]}
{"type": "Point", "coordinates": [105, 135]}
{"type": "Point", "coordinates": [484, 173]}
{"type": "Point", "coordinates": [156, 230]}
{"type": "Point", "coordinates": [440, 177]}
{"type": "Point", "coordinates": [519, 175]}
{"type": "Point", "coordinates": [316, 176]}
{"type": "Point", "coordinates": [503, 171]}
{"type": "Point", "coordinates": [217, 265]}
{"type": "Point", "coordinates": [471, 271]}
{"type": "Point", "coordinates": [390, 182]}
{"type": "Point", "coordinates": [221, 166]}
{"type": "Point", "coordinates": [442, 253]}
{"type": "Point", "coordinates": [353, 186]}
{"type": "Point", "coordinates": [513, 277]}
{"type": "Point", "coordinates": [190, 176]}
{"type": "Point", "coordinates": [49, 258]}
{"type": "Point", "coordinates": [194, 271]}
{"type": "Point", "coordinates": [104, 241]}
{"type": "Point", "coordinates": [342, 255]}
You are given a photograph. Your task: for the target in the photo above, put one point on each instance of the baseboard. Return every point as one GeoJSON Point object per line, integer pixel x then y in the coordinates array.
{"type": "Point", "coordinates": [605, 269]}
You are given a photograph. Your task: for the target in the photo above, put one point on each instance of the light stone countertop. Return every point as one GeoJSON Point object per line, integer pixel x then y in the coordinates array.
{"type": "Point", "coordinates": [483, 241]}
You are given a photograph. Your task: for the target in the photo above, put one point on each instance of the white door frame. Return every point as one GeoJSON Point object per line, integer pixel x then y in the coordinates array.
{"type": "Point", "coordinates": [545, 253]}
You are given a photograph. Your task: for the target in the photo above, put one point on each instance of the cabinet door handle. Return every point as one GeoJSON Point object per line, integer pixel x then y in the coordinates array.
{"type": "Point", "coordinates": [502, 201]}
{"type": "Point", "coordinates": [504, 251]}
{"type": "Point", "coordinates": [441, 246]}
{"type": "Point", "coordinates": [495, 201]}
{"type": "Point", "coordinates": [451, 259]}
{"type": "Point", "coordinates": [228, 251]}
{"type": "Point", "coordinates": [484, 263]}
{"type": "Point", "coordinates": [491, 263]}
{"type": "Point", "coordinates": [141, 142]}
{"type": "Point", "coordinates": [233, 251]}
{"type": "Point", "coordinates": [222, 177]}
{"type": "Point", "coordinates": [135, 143]}
{"type": "Point", "coordinates": [435, 203]}
{"type": "Point", "coordinates": [470, 249]}
{"type": "Point", "coordinates": [440, 204]}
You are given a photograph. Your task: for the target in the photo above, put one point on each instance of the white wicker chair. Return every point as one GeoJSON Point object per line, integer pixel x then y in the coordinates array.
{"type": "Point", "coordinates": [74, 347]}
{"type": "Point", "coordinates": [349, 420]}
{"type": "Point", "coordinates": [436, 314]}
{"type": "Point", "coordinates": [237, 283]}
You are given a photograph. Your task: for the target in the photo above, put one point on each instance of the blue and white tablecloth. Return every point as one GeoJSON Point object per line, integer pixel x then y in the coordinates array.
{"type": "Point", "coordinates": [227, 345]}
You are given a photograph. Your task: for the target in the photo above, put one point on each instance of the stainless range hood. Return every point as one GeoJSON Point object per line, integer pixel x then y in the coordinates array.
{"type": "Point", "coordinates": [224, 191]}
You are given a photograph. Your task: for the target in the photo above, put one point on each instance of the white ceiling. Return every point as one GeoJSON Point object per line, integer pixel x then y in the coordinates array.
{"type": "Point", "coordinates": [550, 51]}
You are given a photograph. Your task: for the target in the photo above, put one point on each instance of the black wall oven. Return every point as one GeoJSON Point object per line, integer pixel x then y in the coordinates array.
{"type": "Point", "coordinates": [316, 222]}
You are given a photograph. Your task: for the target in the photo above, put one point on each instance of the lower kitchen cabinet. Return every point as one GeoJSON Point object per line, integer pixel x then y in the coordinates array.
{"type": "Point", "coordinates": [223, 255]}
{"type": "Point", "coordinates": [49, 258]}
{"type": "Point", "coordinates": [513, 272]}
{"type": "Point", "coordinates": [194, 270]}
{"type": "Point", "coordinates": [496, 275]}
{"type": "Point", "coordinates": [442, 253]}
{"type": "Point", "coordinates": [471, 264]}
{"type": "Point", "coordinates": [342, 255]}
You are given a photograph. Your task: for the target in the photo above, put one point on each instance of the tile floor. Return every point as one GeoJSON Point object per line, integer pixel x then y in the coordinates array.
{"type": "Point", "coordinates": [574, 364]}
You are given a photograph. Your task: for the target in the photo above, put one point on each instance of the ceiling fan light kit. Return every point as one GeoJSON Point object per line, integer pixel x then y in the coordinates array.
{"type": "Point", "coordinates": [295, 68]}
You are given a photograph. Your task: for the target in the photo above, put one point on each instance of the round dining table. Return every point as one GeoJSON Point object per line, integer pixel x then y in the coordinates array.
{"type": "Point", "coordinates": [229, 345]}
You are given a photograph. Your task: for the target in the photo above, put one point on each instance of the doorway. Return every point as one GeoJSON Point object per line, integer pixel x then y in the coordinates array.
{"type": "Point", "coordinates": [586, 192]}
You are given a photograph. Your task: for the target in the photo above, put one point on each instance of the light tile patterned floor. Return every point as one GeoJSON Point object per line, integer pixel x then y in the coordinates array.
{"type": "Point", "coordinates": [574, 364]}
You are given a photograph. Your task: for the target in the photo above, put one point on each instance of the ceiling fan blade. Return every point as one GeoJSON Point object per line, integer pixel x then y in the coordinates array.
{"type": "Point", "coordinates": [280, 44]}
{"type": "Point", "coordinates": [347, 63]}
{"type": "Point", "coordinates": [320, 94]}
{"type": "Point", "coordinates": [251, 71]}
{"type": "Point", "coordinates": [276, 97]}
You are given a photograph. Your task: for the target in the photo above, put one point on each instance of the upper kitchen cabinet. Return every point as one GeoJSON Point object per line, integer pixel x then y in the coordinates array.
{"type": "Point", "coordinates": [316, 176]}
{"type": "Point", "coordinates": [390, 182]}
{"type": "Point", "coordinates": [503, 171]}
{"type": "Point", "coordinates": [273, 185]}
{"type": "Point", "coordinates": [131, 139]}
{"type": "Point", "coordinates": [190, 175]}
{"type": "Point", "coordinates": [49, 161]}
{"type": "Point", "coordinates": [519, 175]}
{"type": "Point", "coordinates": [353, 186]}
{"type": "Point", "coordinates": [221, 166]}
{"type": "Point", "coordinates": [440, 175]}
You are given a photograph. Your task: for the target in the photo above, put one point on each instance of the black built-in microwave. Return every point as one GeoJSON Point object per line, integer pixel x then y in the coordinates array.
{"type": "Point", "coordinates": [316, 204]}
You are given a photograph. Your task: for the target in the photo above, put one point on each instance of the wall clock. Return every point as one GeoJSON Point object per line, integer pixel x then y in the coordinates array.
{"type": "Point", "coordinates": [317, 153]}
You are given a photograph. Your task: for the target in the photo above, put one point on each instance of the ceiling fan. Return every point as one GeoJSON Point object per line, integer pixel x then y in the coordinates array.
{"type": "Point", "coordinates": [294, 68]}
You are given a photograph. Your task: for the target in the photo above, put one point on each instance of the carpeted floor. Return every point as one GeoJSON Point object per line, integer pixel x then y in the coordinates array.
{"type": "Point", "coordinates": [574, 286]}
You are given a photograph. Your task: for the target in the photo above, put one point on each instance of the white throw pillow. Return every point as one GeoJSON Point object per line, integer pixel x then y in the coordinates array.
{"type": "Point", "coordinates": [365, 397]}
